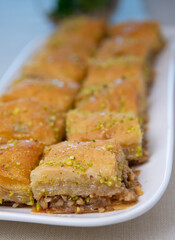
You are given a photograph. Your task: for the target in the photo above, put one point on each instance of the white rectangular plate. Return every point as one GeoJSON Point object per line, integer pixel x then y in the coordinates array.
{"type": "Point", "coordinates": [155, 174]}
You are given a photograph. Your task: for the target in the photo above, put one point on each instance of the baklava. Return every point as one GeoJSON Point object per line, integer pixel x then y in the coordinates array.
{"type": "Point", "coordinates": [29, 119]}
{"type": "Point", "coordinates": [147, 31]}
{"type": "Point", "coordinates": [106, 71]}
{"type": "Point", "coordinates": [119, 46]}
{"type": "Point", "coordinates": [83, 177]}
{"type": "Point", "coordinates": [63, 69]}
{"type": "Point", "coordinates": [119, 96]}
{"type": "Point", "coordinates": [123, 127]}
{"type": "Point", "coordinates": [83, 26]}
{"type": "Point", "coordinates": [17, 160]}
{"type": "Point", "coordinates": [53, 94]}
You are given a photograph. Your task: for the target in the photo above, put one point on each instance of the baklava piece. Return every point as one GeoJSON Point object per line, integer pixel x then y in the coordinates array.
{"type": "Point", "coordinates": [119, 96]}
{"type": "Point", "coordinates": [83, 26]}
{"type": "Point", "coordinates": [83, 177]}
{"type": "Point", "coordinates": [26, 119]}
{"type": "Point", "coordinates": [119, 46]}
{"type": "Point", "coordinates": [53, 94]}
{"type": "Point", "coordinates": [123, 127]}
{"type": "Point", "coordinates": [17, 160]}
{"type": "Point", "coordinates": [77, 48]}
{"type": "Point", "coordinates": [85, 34]}
{"type": "Point", "coordinates": [102, 72]}
{"type": "Point", "coordinates": [147, 31]}
{"type": "Point", "coordinates": [50, 67]}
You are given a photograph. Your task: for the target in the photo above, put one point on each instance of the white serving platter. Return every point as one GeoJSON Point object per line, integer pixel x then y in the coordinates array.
{"type": "Point", "coordinates": [155, 174]}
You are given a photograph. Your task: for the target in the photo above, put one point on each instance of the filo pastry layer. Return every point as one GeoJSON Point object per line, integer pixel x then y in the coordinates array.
{"type": "Point", "coordinates": [17, 160]}
{"type": "Point", "coordinates": [28, 118]}
{"type": "Point", "coordinates": [123, 127]}
{"type": "Point", "coordinates": [83, 177]}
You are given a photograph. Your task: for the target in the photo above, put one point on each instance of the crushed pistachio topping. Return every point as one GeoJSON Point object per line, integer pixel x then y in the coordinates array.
{"type": "Point", "coordinates": [1, 148]}
{"type": "Point", "coordinates": [18, 163]}
{"type": "Point", "coordinates": [109, 147]}
{"type": "Point", "coordinates": [130, 118]}
{"type": "Point", "coordinates": [74, 198]}
{"type": "Point", "coordinates": [78, 209]}
{"type": "Point", "coordinates": [106, 180]}
{"type": "Point", "coordinates": [52, 120]}
{"type": "Point", "coordinates": [11, 194]}
{"type": "Point", "coordinates": [100, 125]}
{"type": "Point", "coordinates": [71, 161]}
{"type": "Point", "coordinates": [31, 203]}
{"type": "Point", "coordinates": [78, 183]}
{"type": "Point", "coordinates": [15, 142]}
{"type": "Point", "coordinates": [42, 192]}
{"type": "Point", "coordinates": [37, 206]}
{"type": "Point", "coordinates": [93, 140]}
{"type": "Point", "coordinates": [47, 149]}
{"type": "Point", "coordinates": [139, 151]}
{"type": "Point", "coordinates": [90, 164]}
{"type": "Point", "coordinates": [16, 111]}
{"type": "Point", "coordinates": [41, 162]}
{"type": "Point", "coordinates": [6, 165]}
{"type": "Point", "coordinates": [131, 129]}
{"type": "Point", "coordinates": [22, 199]}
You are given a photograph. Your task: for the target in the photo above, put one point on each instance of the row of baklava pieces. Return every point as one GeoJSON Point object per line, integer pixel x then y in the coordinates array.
{"type": "Point", "coordinates": [96, 96]}
{"type": "Point", "coordinates": [35, 105]}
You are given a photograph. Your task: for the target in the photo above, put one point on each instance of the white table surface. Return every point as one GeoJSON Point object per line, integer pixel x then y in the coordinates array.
{"type": "Point", "coordinates": [20, 21]}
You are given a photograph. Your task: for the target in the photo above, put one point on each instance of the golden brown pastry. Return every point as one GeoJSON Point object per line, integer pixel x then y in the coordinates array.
{"type": "Point", "coordinates": [84, 26]}
{"type": "Point", "coordinates": [119, 96]}
{"type": "Point", "coordinates": [108, 70]}
{"type": "Point", "coordinates": [76, 47]}
{"type": "Point", "coordinates": [85, 34]}
{"type": "Point", "coordinates": [83, 177]}
{"type": "Point", "coordinates": [17, 160]}
{"type": "Point", "coordinates": [53, 94]}
{"type": "Point", "coordinates": [147, 31]}
{"type": "Point", "coordinates": [119, 46]}
{"type": "Point", "coordinates": [49, 67]}
{"type": "Point", "coordinates": [26, 119]}
{"type": "Point", "coordinates": [123, 127]}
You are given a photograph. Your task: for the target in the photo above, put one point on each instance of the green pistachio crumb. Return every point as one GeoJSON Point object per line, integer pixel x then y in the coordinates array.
{"type": "Point", "coordinates": [37, 206]}
{"type": "Point", "coordinates": [109, 147]}
{"type": "Point", "coordinates": [90, 164]}
{"type": "Point", "coordinates": [16, 111]}
{"type": "Point", "coordinates": [78, 209]}
{"type": "Point", "coordinates": [11, 194]}
{"type": "Point", "coordinates": [74, 198]}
